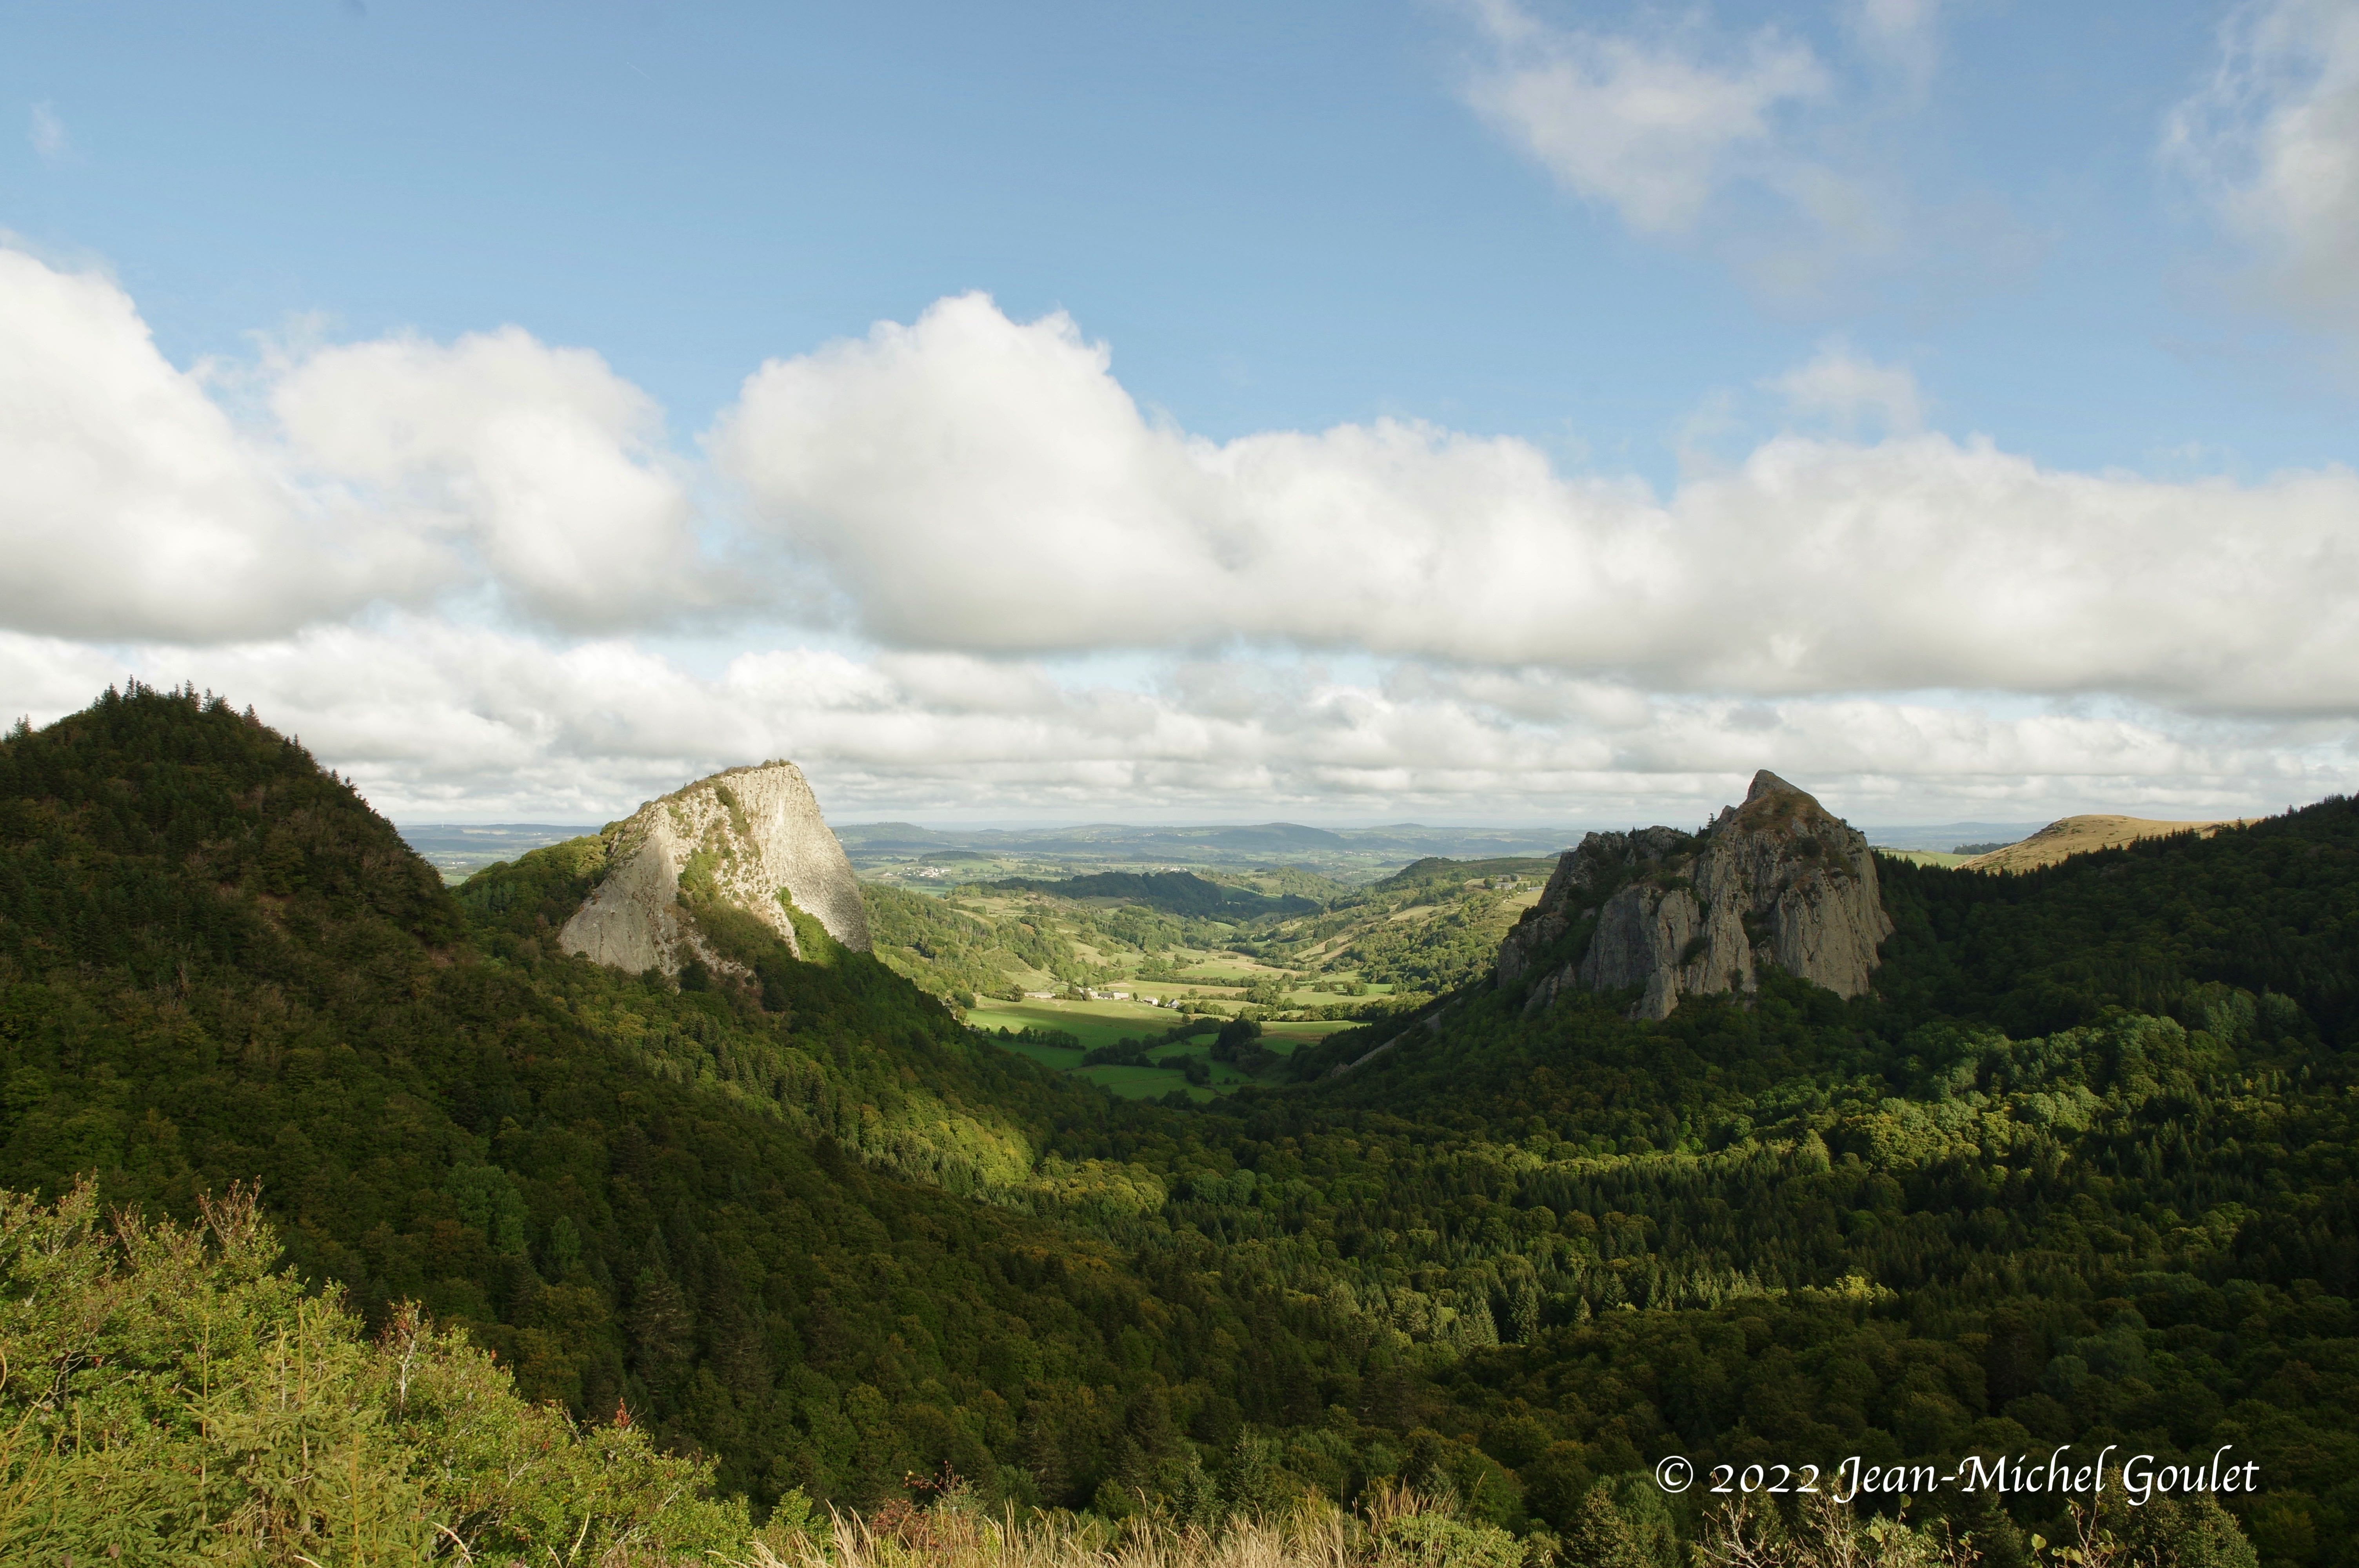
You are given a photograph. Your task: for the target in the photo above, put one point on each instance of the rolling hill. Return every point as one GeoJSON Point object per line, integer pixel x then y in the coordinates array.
{"type": "Point", "coordinates": [2084, 834]}
{"type": "Point", "coordinates": [2081, 1169]}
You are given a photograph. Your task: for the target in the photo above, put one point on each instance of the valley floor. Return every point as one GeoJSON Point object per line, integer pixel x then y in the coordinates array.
{"type": "Point", "coordinates": [1093, 1024]}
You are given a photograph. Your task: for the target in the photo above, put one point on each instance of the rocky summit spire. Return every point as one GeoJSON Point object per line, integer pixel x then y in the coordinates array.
{"type": "Point", "coordinates": [1779, 880]}
{"type": "Point", "coordinates": [751, 838]}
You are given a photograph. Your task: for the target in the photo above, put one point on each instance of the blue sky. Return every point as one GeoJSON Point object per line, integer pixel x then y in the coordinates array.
{"type": "Point", "coordinates": [1641, 245]}
{"type": "Point", "coordinates": [1290, 222]}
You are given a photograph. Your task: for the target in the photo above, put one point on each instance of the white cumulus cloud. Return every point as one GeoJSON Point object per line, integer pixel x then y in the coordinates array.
{"type": "Point", "coordinates": [1649, 125]}
{"type": "Point", "coordinates": [456, 570]}
{"type": "Point", "coordinates": [1848, 389]}
{"type": "Point", "coordinates": [542, 459]}
{"type": "Point", "coordinates": [977, 483]}
{"type": "Point", "coordinates": [2272, 142]}
{"type": "Point", "coordinates": [392, 471]}
{"type": "Point", "coordinates": [133, 504]}
{"type": "Point", "coordinates": [437, 721]}
{"type": "Point", "coordinates": [1802, 168]}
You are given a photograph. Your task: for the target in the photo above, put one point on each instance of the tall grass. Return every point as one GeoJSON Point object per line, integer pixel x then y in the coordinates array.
{"type": "Point", "coordinates": [1400, 1528]}
{"type": "Point", "coordinates": [1395, 1529]}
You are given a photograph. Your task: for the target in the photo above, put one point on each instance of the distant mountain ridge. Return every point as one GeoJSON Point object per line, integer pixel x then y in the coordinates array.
{"type": "Point", "coordinates": [1943, 838]}
{"type": "Point", "coordinates": [913, 855]}
{"type": "Point", "coordinates": [460, 849]}
{"type": "Point", "coordinates": [1174, 892]}
{"type": "Point", "coordinates": [906, 852]}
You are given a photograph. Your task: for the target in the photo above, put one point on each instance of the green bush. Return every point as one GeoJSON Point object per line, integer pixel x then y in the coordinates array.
{"type": "Point", "coordinates": [1438, 1541]}
{"type": "Point", "coordinates": [168, 1397]}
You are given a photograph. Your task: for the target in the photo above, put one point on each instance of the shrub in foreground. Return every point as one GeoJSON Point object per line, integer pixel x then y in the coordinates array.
{"type": "Point", "coordinates": [166, 1397]}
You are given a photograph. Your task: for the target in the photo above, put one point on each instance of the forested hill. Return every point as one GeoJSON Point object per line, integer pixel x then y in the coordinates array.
{"type": "Point", "coordinates": [2084, 1170]}
{"type": "Point", "coordinates": [739, 1211]}
{"type": "Point", "coordinates": [2167, 926]}
{"type": "Point", "coordinates": [2271, 908]}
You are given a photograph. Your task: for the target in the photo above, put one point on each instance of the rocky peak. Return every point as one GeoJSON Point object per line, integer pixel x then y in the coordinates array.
{"type": "Point", "coordinates": [1777, 879]}
{"type": "Point", "coordinates": [751, 838]}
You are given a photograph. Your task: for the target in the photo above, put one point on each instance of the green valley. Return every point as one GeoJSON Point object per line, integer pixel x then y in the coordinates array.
{"type": "Point", "coordinates": [2079, 1169]}
{"type": "Point", "coordinates": [1283, 943]}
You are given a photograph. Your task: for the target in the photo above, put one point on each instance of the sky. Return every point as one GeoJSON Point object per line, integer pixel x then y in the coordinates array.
{"type": "Point", "coordinates": [1464, 411]}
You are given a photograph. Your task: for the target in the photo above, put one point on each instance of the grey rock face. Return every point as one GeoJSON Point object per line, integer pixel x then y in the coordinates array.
{"type": "Point", "coordinates": [746, 837]}
{"type": "Point", "coordinates": [1581, 877]}
{"type": "Point", "coordinates": [1776, 880]}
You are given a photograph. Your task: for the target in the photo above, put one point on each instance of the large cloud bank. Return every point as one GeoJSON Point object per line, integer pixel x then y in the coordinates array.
{"type": "Point", "coordinates": [954, 566]}
{"type": "Point", "coordinates": [973, 482]}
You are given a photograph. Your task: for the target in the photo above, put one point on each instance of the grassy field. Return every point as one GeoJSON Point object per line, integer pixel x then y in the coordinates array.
{"type": "Point", "coordinates": [1283, 1038]}
{"type": "Point", "coordinates": [1926, 857]}
{"type": "Point", "coordinates": [1097, 1023]}
{"type": "Point", "coordinates": [1225, 969]}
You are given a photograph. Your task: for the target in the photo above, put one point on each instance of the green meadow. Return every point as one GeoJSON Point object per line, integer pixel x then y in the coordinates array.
{"type": "Point", "coordinates": [1094, 1023]}
{"type": "Point", "coordinates": [1099, 1024]}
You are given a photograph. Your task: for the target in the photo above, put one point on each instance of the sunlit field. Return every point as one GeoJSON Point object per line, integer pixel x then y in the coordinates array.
{"type": "Point", "coordinates": [1099, 1024]}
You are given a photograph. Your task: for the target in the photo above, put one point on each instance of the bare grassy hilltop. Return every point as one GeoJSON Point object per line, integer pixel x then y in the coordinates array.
{"type": "Point", "coordinates": [2079, 835]}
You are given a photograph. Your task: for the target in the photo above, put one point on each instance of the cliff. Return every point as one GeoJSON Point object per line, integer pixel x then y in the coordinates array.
{"type": "Point", "coordinates": [751, 838]}
{"type": "Point", "coordinates": [1777, 879]}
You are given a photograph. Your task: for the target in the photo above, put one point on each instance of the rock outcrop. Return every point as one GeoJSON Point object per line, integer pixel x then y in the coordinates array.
{"type": "Point", "coordinates": [1776, 880]}
{"type": "Point", "coordinates": [751, 836]}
